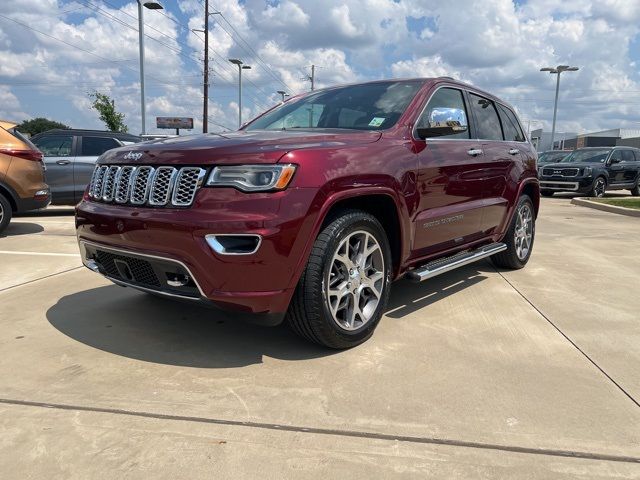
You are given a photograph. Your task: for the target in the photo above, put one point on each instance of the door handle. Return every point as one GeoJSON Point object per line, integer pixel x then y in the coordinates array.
{"type": "Point", "coordinates": [514, 151]}
{"type": "Point", "coordinates": [63, 162]}
{"type": "Point", "coordinates": [474, 152]}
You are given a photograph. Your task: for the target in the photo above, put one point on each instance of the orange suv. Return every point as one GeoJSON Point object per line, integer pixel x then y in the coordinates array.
{"type": "Point", "coordinates": [22, 186]}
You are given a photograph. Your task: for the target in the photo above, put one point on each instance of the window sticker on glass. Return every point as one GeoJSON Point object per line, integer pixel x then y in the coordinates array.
{"type": "Point", "coordinates": [376, 122]}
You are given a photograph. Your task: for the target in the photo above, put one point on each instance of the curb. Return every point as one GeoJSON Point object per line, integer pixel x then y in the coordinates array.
{"type": "Point", "coordinates": [583, 202]}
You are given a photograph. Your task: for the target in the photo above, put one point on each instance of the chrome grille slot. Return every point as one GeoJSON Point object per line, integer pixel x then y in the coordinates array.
{"type": "Point", "coordinates": [99, 182]}
{"type": "Point", "coordinates": [187, 184]}
{"type": "Point", "coordinates": [560, 172]}
{"type": "Point", "coordinates": [141, 185]}
{"type": "Point", "coordinates": [162, 184]}
{"type": "Point", "coordinates": [109, 183]}
{"type": "Point", "coordinates": [123, 184]}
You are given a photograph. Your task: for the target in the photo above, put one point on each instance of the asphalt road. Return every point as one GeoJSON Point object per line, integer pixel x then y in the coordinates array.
{"type": "Point", "coordinates": [476, 374]}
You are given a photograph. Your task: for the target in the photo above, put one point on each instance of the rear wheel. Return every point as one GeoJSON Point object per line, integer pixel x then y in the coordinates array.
{"type": "Point", "coordinates": [5, 212]}
{"type": "Point", "coordinates": [519, 238]}
{"type": "Point", "coordinates": [546, 193]}
{"type": "Point", "coordinates": [598, 188]}
{"type": "Point", "coordinates": [344, 288]}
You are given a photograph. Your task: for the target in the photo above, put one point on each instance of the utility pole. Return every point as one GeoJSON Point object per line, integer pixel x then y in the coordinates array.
{"type": "Point", "coordinates": [205, 104]}
{"type": "Point", "coordinates": [313, 77]}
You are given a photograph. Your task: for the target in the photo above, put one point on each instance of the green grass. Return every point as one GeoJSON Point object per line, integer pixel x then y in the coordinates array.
{"type": "Point", "coordinates": [622, 202]}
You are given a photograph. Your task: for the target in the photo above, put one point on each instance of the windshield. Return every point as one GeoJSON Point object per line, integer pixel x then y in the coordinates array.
{"type": "Point", "coordinates": [589, 156]}
{"type": "Point", "coordinates": [551, 157]}
{"type": "Point", "coordinates": [371, 106]}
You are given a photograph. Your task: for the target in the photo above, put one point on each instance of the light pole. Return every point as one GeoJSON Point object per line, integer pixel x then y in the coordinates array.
{"type": "Point", "coordinates": [283, 93]}
{"type": "Point", "coordinates": [150, 6]}
{"type": "Point", "coordinates": [557, 71]}
{"type": "Point", "coordinates": [241, 67]}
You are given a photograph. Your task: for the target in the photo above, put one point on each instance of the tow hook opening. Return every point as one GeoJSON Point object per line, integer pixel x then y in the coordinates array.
{"type": "Point", "coordinates": [178, 279]}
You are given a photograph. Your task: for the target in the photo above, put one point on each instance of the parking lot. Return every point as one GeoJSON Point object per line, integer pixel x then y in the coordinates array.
{"type": "Point", "coordinates": [476, 374]}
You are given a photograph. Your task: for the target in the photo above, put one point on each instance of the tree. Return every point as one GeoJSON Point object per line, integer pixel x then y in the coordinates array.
{"type": "Point", "coordinates": [108, 114]}
{"type": "Point", "coordinates": [39, 125]}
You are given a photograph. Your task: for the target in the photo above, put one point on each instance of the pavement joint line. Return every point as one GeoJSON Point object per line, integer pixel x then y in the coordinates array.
{"type": "Point", "coordinates": [331, 432]}
{"type": "Point", "coordinates": [51, 254]}
{"type": "Point", "coordinates": [627, 394]}
{"type": "Point", "coordinates": [41, 278]}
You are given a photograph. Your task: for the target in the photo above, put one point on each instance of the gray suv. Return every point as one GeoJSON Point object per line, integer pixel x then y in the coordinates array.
{"type": "Point", "coordinates": [70, 157]}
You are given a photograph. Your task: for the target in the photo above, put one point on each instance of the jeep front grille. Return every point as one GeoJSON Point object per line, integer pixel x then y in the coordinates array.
{"type": "Point", "coordinates": [146, 185]}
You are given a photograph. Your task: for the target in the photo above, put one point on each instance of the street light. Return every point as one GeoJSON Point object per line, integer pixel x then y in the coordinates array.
{"type": "Point", "coordinates": [241, 67]}
{"type": "Point", "coordinates": [150, 6]}
{"type": "Point", "coordinates": [557, 71]}
{"type": "Point", "coordinates": [283, 93]}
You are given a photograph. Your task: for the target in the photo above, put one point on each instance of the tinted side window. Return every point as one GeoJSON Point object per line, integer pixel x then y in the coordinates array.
{"type": "Point", "coordinates": [616, 155]}
{"type": "Point", "coordinates": [510, 125]}
{"type": "Point", "coordinates": [487, 121]}
{"type": "Point", "coordinates": [96, 146]}
{"type": "Point", "coordinates": [442, 105]}
{"type": "Point", "coordinates": [627, 156]}
{"type": "Point", "coordinates": [55, 146]}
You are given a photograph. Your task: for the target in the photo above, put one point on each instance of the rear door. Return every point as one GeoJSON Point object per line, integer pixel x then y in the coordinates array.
{"type": "Point", "coordinates": [90, 148]}
{"type": "Point", "coordinates": [629, 167]}
{"type": "Point", "coordinates": [449, 179]}
{"type": "Point", "coordinates": [500, 158]}
{"type": "Point", "coordinates": [58, 151]}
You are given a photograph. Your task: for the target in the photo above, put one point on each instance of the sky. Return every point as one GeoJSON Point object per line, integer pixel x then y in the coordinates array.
{"type": "Point", "coordinates": [54, 52]}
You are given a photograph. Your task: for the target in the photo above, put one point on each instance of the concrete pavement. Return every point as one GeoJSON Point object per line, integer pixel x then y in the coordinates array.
{"type": "Point", "coordinates": [475, 374]}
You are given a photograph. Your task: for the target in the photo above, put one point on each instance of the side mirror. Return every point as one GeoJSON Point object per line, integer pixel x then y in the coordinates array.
{"type": "Point", "coordinates": [443, 122]}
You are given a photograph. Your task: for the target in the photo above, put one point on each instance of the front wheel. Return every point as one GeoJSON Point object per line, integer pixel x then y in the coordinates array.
{"type": "Point", "coordinates": [635, 191]}
{"type": "Point", "coordinates": [344, 288]}
{"type": "Point", "coordinates": [5, 212]}
{"type": "Point", "coordinates": [598, 188]}
{"type": "Point", "coordinates": [519, 238]}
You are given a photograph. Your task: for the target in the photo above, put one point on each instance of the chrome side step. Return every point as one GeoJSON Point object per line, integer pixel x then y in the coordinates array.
{"type": "Point", "coordinates": [443, 265]}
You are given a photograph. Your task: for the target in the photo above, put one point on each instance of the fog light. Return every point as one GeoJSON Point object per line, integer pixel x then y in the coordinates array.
{"type": "Point", "coordinates": [242, 244]}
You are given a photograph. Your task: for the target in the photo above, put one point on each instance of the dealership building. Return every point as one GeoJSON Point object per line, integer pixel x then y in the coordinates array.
{"type": "Point", "coordinates": [570, 141]}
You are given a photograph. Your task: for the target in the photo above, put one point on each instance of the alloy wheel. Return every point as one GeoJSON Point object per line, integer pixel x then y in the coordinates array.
{"type": "Point", "coordinates": [599, 187]}
{"type": "Point", "coordinates": [523, 232]}
{"type": "Point", "coordinates": [355, 280]}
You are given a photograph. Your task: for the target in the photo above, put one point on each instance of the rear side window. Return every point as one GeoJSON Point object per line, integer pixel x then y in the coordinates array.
{"type": "Point", "coordinates": [58, 146]}
{"type": "Point", "coordinates": [510, 125]}
{"type": "Point", "coordinates": [627, 156]}
{"type": "Point", "coordinates": [96, 146]}
{"type": "Point", "coordinates": [487, 121]}
{"type": "Point", "coordinates": [446, 105]}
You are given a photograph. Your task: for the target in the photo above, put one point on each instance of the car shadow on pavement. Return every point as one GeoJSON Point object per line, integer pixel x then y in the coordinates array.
{"type": "Point", "coordinates": [21, 228]}
{"type": "Point", "coordinates": [408, 297]}
{"type": "Point", "coordinates": [143, 327]}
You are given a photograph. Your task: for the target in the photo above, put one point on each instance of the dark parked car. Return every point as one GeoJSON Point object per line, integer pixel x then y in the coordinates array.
{"type": "Point", "coordinates": [552, 156]}
{"type": "Point", "coordinates": [70, 157]}
{"type": "Point", "coordinates": [593, 171]}
{"type": "Point", "coordinates": [311, 210]}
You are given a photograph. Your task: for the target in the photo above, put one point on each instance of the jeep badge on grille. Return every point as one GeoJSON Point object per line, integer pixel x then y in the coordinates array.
{"type": "Point", "coordinates": [133, 156]}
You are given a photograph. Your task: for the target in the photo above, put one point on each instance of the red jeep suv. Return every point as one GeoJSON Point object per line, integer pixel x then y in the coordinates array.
{"type": "Point", "coordinates": [310, 211]}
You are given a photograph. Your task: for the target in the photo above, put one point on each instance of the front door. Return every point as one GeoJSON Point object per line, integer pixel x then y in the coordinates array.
{"type": "Point", "coordinates": [58, 159]}
{"type": "Point", "coordinates": [450, 178]}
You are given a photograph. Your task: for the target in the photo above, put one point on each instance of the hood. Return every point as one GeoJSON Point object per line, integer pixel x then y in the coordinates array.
{"type": "Point", "coordinates": [233, 148]}
{"type": "Point", "coordinates": [560, 166]}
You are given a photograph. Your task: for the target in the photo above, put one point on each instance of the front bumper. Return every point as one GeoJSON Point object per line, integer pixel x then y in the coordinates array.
{"type": "Point", "coordinates": [259, 283]}
{"type": "Point", "coordinates": [566, 184]}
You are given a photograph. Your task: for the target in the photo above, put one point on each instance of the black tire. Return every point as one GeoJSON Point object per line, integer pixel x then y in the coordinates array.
{"type": "Point", "coordinates": [635, 191]}
{"type": "Point", "coordinates": [309, 314]}
{"type": "Point", "coordinates": [509, 258]}
{"type": "Point", "coordinates": [5, 213]}
{"type": "Point", "coordinates": [547, 193]}
{"type": "Point", "coordinates": [598, 188]}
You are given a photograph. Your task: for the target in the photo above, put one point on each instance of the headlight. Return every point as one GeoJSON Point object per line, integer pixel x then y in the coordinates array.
{"type": "Point", "coordinates": [540, 171]}
{"type": "Point", "coordinates": [252, 178]}
{"type": "Point", "coordinates": [587, 171]}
